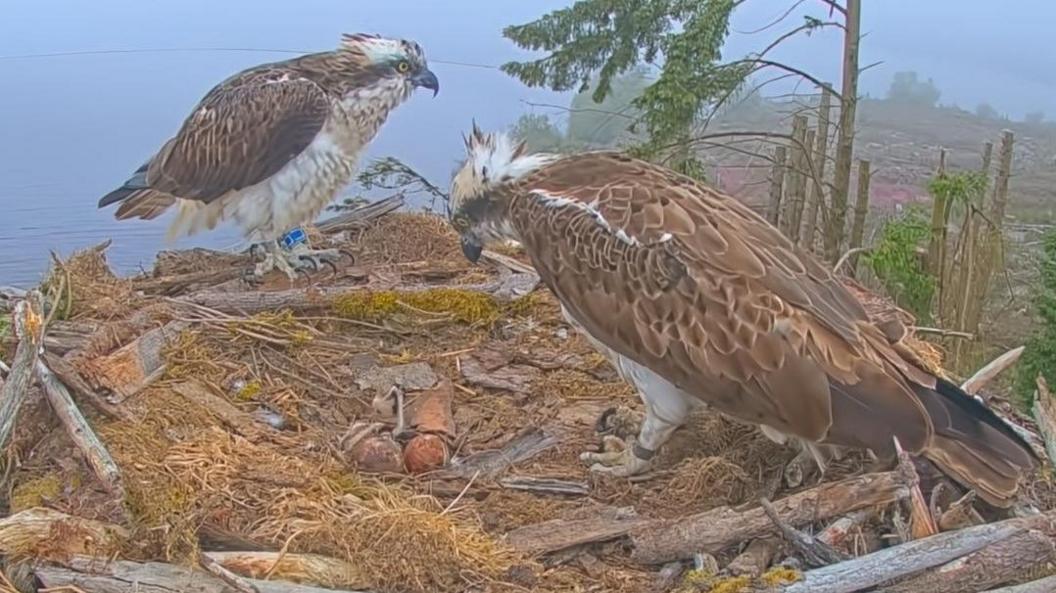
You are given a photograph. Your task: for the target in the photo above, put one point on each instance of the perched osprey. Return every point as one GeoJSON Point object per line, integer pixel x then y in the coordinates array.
{"type": "Point", "coordinates": [697, 299]}
{"type": "Point", "coordinates": [271, 146]}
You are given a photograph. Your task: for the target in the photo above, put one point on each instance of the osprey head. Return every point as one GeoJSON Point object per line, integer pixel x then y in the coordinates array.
{"type": "Point", "coordinates": [390, 59]}
{"type": "Point", "coordinates": [478, 206]}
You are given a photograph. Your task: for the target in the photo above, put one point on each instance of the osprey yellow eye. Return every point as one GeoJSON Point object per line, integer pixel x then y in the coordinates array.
{"type": "Point", "coordinates": [403, 67]}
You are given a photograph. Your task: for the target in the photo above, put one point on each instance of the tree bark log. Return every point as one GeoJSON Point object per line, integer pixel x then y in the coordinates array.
{"type": "Point", "coordinates": [997, 564]}
{"type": "Point", "coordinates": [27, 326]}
{"type": "Point", "coordinates": [845, 134]}
{"type": "Point", "coordinates": [664, 540]}
{"type": "Point", "coordinates": [892, 563]}
{"type": "Point", "coordinates": [93, 575]}
{"type": "Point", "coordinates": [1045, 585]}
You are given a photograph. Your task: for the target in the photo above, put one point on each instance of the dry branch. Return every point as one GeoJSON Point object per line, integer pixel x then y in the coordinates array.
{"type": "Point", "coordinates": [363, 214]}
{"type": "Point", "coordinates": [813, 551]}
{"type": "Point", "coordinates": [604, 523]}
{"type": "Point", "coordinates": [80, 431]}
{"type": "Point", "coordinates": [861, 208]}
{"type": "Point", "coordinates": [816, 200]}
{"type": "Point", "coordinates": [300, 299]}
{"type": "Point", "coordinates": [132, 367]}
{"type": "Point", "coordinates": [307, 569]}
{"type": "Point", "coordinates": [545, 485]}
{"type": "Point", "coordinates": [995, 367]}
{"type": "Point", "coordinates": [92, 575]}
{"type": "Point", "coordinates": [527, 444]}
{"type": "Point", "coordinates": [837, 533]}
{"type": "Point", "coordinates": [1045, 416]}
{"type": "Point", "coordinates": [1000, 563]}
{"type": "Point", "coordinates": [71, 378]}
{"type": "Point", "coordinates": [235, 581]}
{"type": "Point", "coordinates": [28, 326]}
{"type": "Point", "coordinates": [755, 559]}
{"type": "Point", "coordinates": [51, 534]}
{"type": "Point", "coordinates": [1045, 585]}
{"type": "Point", "coordinates": [663, 540]}
{"type": "Point", "coordinates": [922, 524]}
{"type": "Point", "coordinates": [896, 562]}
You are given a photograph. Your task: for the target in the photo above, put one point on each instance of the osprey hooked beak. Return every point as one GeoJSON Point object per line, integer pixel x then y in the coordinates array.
{"type": "Point", "coordinates": [425, 78]}
{"type": "Point", "coordinates": [471, 249]}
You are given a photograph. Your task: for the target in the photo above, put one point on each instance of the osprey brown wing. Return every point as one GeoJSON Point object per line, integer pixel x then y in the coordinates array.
{"type": "Point", "coordinates": [697, 287]}
{"type": "Point", "coordinates": [238, 136]}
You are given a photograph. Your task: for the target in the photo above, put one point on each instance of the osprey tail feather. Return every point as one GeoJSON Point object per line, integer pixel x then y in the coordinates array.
{"type": "Point", "coordinates": [973, 445]}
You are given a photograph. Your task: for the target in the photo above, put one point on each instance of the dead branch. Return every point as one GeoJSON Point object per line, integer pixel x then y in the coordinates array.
{"type": "Point", "coordinates": [34, 530]}
{"type": "Point", "coordinates": [921, 522]}
{"type": "Point", "coordinates": [946, 333]}
{"type": "Point", "coordinates": [991, 566]}
{"type": "Point", "coordinates": [602, 524]}
{"type": "Point", "coordinates": [840, 530]}
{"type": "Point", "coordinates": [132, 367]}
{"type": "Point", "coordinates": [1045, 585]}
{"type": "Point", "coordinates": [214, 568]}
{"type": "Point", "coordinates": [663, 540]}
{"type": "Point", "coordinates": [814, 552]}
{"type": "Point", "coordinates": [847, 256]}
{"type": "Point", "coordinates": [362, 215]}
{"type": "Point", "coordinates": [755, 559]}
{"type": "Point", "coordinates": [300, 299]}
{"type": "Point", "coordinates": [93, 575]}
{"type": "Point", "coordinates": [545, 485]}
{"type": "Point", "coordinates": [310, 569]}
{"type": "Point", "coordinates": [992, 369]}
{"type": "Point", "coordinates": [28, 326]}
{"type": "Point", "coordinates": [80, 431]}
{"type": "Point", "coordinates": [892, 563]}
{"type": "Point", "coordinates": [529, 443]}
{"type": "Point", "coordinates": [1045, 415]}
{"type": "Point", "coordinates": [69, 377]}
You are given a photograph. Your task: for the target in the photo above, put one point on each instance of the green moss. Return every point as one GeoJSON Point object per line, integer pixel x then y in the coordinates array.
{"type": "Point", "coordinates": [780, 575]}
{"type": "Point", "coordinates": [523, 305]}
{"type": "Point", "coordinates": [35, 493]}
{"type": "Point", "coordinates": [465, 306]}
{"type": "Point", "coordinates": [249, 391]}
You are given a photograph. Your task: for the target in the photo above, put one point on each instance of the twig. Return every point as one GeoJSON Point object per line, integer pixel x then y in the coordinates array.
{"type": "Point", "coordinates": [461, 494]}
{"type": "Point", "coordinates": [847, 256]}
{"type": "Point", "coordinates": [28, 326]}
{"type": "Point", "coordinates": [922, 524]}
{"type": "Point", "coordinates": [991, 370]}
{"type": "Point", "coordinates": [946, 333]}
{"type": "Point", "coordinates": [226, 575]}
{"type": "Point", "coordinates": [79, 430]}
{"type": "Point", "coordinates": [814, 552]}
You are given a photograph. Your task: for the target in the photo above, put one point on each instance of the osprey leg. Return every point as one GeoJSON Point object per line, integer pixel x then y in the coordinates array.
{"type": "Point", "coordinates": [666, 409]}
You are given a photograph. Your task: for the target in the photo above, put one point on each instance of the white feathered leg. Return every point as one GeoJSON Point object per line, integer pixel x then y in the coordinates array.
{"type": "Point", "coordinates": [666, 409]}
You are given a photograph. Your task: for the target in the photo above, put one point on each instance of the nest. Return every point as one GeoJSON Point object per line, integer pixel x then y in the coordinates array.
{"type": "Point", "coordinates": [238, 439]}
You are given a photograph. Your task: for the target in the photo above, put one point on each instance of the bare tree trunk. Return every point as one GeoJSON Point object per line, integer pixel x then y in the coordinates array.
{"type": "Point", "coordinates": [777, 185]}
{"type": "Point", "coordinates": [845, 139]}
{"type": "Point", "coordinates": [816, 201]}
{"type": "Point", "coordinates": [795, 175]}
{"type": "Point", "coordinates": [861, 208]}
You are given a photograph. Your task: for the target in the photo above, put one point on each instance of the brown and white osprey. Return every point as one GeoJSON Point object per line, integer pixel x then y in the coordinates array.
{"type": "Point", "coordinates": [271, 146]}
{"type": "Point", "coordinates": [697, 299]}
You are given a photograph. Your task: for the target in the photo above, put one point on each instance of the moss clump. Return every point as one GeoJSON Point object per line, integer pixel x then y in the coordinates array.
{"type": "Point", "coordinates": [780, 575]}
{"type": "Point", "coordinates": [249, 391]}
{"type": "Point", "coordinates": [36, 492]}
{"type": "Point", "coordinates": [731, 585]}
{"type": "Point", "coordinates": [465, 306]}
{"type": "Point", "coordinates": [524, 305]}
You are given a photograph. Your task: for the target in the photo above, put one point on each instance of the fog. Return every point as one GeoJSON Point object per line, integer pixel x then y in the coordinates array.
{"type": "Point", "coordinates": [72, 127]}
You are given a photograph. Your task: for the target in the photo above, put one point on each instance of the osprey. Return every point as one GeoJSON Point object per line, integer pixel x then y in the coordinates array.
{"type": "Point", "coordinates": [271, 146]}
{"type": "Point", "coordinates": [698, 300]}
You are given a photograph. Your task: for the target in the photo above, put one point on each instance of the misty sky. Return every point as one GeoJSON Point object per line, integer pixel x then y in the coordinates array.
{"type": "Point", "coordinates": [72, 128]}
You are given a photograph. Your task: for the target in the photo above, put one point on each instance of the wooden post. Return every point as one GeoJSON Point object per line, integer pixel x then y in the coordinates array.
{"type": "Point", "coordinates": [938, 228]}
{"type": "Point", "coordinates": [845, 140]}
{"type": "Point", "coordinates": [861, 208]}
{"type": "Point", "coordinates": [795, 174]}
{"type": "Point", "coordinates": [777, 185]}
{"type": "Point", "coordinates": [805, 175]}
{"type": "Point", "coordinates": [990, 236]}
{"type": "Point", "coordinates": [816, 200]}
